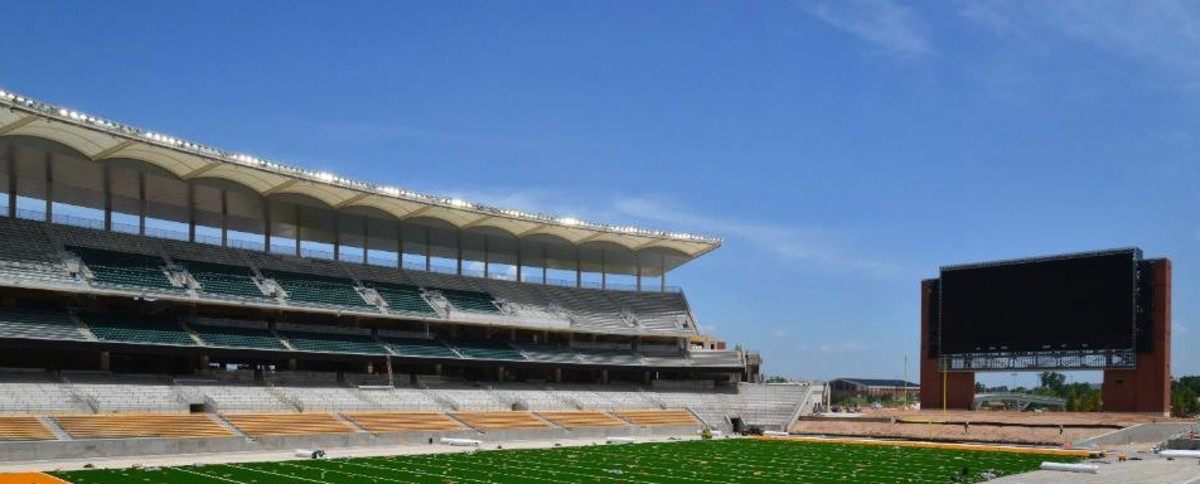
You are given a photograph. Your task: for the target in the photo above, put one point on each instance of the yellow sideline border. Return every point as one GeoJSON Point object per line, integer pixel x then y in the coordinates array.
{"type": "Point", "coordinates": [938, 445]}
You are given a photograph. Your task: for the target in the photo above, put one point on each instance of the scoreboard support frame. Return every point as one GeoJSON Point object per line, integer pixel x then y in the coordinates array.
{"type": "Point", "coordinates": [1145, 388]}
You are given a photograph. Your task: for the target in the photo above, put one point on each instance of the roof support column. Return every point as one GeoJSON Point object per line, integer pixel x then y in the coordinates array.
{"type": "Point", "coordinates": [638, 260]}
{"type": "Point", "coordinates": [662, 278]}
{"type": "Point", "coordinates": [106, 190]}
{"type": "Point", "coordinates": [267, 224]}
{"type": "Point", "coordinates": [399, 245]}
{"type": "Point", "coordinates": [485, 256]}
{"type": "Point", "coordinates": [11, 156]}
{"type": "Point", "coordinates": [458, 239]}
{"type": "Point", "coordinates": [191, 197]}
{"type": "Point", "coordinates": [366, 239]}
{"type": "Point", "coordinates": [337, 236]}
{"type": "Point", "coordinates": [519, 261]}
{"type": "Point", "coordinates": [545, 265]}
{"type": "Point", "coordinates": [578, 268]}
{"type": "Point", "coordinates": [224, 218]}
{"type": "Point", "coordinates": [299, 230]}
{"type": "Point", "coordinates": [603, 269]}
{"type": "Point", "coordinates": [49, 187]}
{"type": "Point", "coordinates": [141, 203]}
{"type": "Point", "coordinates": [428, 252]}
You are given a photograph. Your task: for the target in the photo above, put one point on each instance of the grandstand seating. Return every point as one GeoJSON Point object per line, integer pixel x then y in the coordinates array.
{"type": "Point", "coordinates": [401, 398]}
{"type": "Point", "coordinates": [657, 417]}
{"type": "Point", "coordinates": [270, 424]}
{"type": "Point", "coordinates": [608, 357]}
{"type": "Point", "coordinates": [40, 324]}
{"type": "Point", "coordinates": [472, 399]}
{"type": "Point", "coordinates": [324, 398]}
{"type": "Point", "coordinates": [405, 299]}
{"type": "Point", "coordinates": [126, 393]}
{"type": "Point", "coordinates": [486, 349]}
{"type": "Point", "coordinates": [219, 279]}
{"type": "Point", "coordinates": [472, 301]}
{"type": "Point", "coordinates": [23, 428]}
{"type": "Point", "coordinates": [234, 397]}
{"type": "Point", "coordinates": [141, 425]}
{"type": "Point", "coordinates": [27, 392]}
{"type": "Point", "coordinates": [577, 419]}
{"type": "Point", "coordinates": [139, 329]}
{"type": "Point", "coordinates": [238, 337]}
{"type": "Point", "coordinates": [26, 252]}
{"type": "Point", "coordinates": [333, 342]}
{"type": "Point", "coordinates": [549, 354]}
{"type": "Point", "coordinates": [426, 348]}
{"type": "Point", "coordinates": [125, 269]}
{"type": "Point", "coordinates": [380, 422]}
{"type": "Point", "coordinates": [320, 290]}
{"type": "Point", "coordinates": [503, 420]}
{"type": "Point", "coordinates": [517, 395]}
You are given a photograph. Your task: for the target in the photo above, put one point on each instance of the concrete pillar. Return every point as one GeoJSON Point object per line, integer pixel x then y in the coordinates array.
{"type": "Point", "coordinates": [437, 369]}
{"type": "Point", "coordinates": [12, 180]}
{"type": "Point", "coordinates": [292, 364]}
{"type": "Point", "coordinates": [500, 373]}
{"type": "Point", "coordinates": [604, 376]}
{"type": "Point", "coordinates": [49, 188]}
{"type": "Point", "coordinates": [558, 375]}
{"type": "Point", "coordinates": [224, 218]}
{"type": "Point", "coordinates": [105, 361]}
{"type": "Point", "coordinates": [141, 182]}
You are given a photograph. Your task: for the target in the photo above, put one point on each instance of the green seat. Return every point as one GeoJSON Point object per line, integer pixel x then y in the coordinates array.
{"type": "Point", "coordinates": [137, 329]}
{"type": "Point", "coordinates": [125, 269]}
{"type": "Point", "coordinates": [479, 302]}
{"type": "Point", "coordinates": [550, 354]}
{"type": "Point", "coordinates": [486, 350]}
{"type": "Point", "coordinates": [36, 323]}
{"type": "Point", "coordinates": [223, 279]}
{"type": "Point", "coordinates": [333, 342]}
{"type": "Point", "coordinates": [321, 290]}
{"type": "Point", "coordinates": [429, 348]}
{"type": "Point", "coordinates": [236, 337]}
{"type": "Point", "coordinates": [404, 299]}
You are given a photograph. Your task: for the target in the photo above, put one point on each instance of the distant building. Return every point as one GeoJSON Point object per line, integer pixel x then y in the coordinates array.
{"type": "Point", "coordinates": [873, 388]}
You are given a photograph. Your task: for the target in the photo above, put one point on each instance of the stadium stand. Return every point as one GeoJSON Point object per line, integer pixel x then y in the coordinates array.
{"type": "Point", "coordinates": [485, 349]}
{"type": "Point", "coordinates": [24, 428]}
{"type": "Point", "coordinates": [39, 324]}
{"type": "Point", "coordinates": [27, 254]}
{"type": "Point", "coordinates": [381, 422]}
{"type": "Point", "coordinates": [578, 419]}
{"type": "Point", "coordinates": [427, 348]}
{"type": "Point", "coordinates": [389, 398]}
{"type": "Point", "coordinates": [333, 342]}
{"type": "Point", "coordinates": [549, 353]}
{"type": "Point", "coordinates": [312, 398]}
{"type": "Point", "coordinates": [237, 334]}
{"type": "Point", "coordinates": [657, 417]}
{"type": "Point", "coordinates": [136, 328]}
{"type": "Point", "coordinates": [472, 301]}
{"type": "Point", "coordinates": [263, 425]}
{"type": "Point", "coordinates": [140, 426]}
{"type": "Point", "coordinates": [33, 392]}
{"type": "Point", "coordinates": [319, 290]}
{"type": "Point", "coordinates": [223, 280]}
{"type": "Point", "coordinates": [504, 420]}
{"type": "Point", "coordinates": [125, 269]}
{"type": "Point", "coordinates": [403, 299]}
{"type": "Point", "coordinates": [125, 393]}
{"type": "Point", "coordinates": [232, 397]}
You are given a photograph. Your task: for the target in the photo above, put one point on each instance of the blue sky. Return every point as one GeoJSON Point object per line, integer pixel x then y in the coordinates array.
{"type": "Point", "coordinates": [844, 149]}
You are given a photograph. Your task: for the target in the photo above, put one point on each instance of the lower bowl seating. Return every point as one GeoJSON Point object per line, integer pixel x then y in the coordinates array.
{"type": "Point", "coordinates": [502, 420]}
{"type": "Point", "coordinates": [658, 417]}
{"type": "Point", "coordinates": [23, 428]}
{"type": "Point", "coordinates": [377, 422]}
{"type": "Point", "coordinates": [268, 424]}
{"type": "Point", "coordinates": [573, 419]}
{"type": "Point", "coordinates": [141, 425]}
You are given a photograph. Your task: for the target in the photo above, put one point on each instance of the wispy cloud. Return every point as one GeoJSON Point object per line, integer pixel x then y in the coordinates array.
{"type": "Point", "coordinates": [887, 25]}
{"type": "Point", "coordinates": [1165, 32]}
{"type": "Point", "coordinates": [790, 242]}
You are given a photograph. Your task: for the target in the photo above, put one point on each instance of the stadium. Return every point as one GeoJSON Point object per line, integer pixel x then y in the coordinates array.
{"type": "Point", "coordinates": [175, 312]}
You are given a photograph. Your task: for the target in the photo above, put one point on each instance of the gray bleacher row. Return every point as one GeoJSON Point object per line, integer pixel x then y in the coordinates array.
{"type": "Point", "coordinates": [62, 325]}
{"type": "Point", "coordinates": [34, 251]}
{"type": "Point", "coordinates": [773, 405]}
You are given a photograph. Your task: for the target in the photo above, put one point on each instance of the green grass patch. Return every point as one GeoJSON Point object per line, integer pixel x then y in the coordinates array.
{"type": "Point", "coordinates": [721, 461]}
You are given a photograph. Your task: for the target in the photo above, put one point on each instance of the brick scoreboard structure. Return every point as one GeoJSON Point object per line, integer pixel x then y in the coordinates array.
{"type": "Point", "coordinates": [1146, 388]}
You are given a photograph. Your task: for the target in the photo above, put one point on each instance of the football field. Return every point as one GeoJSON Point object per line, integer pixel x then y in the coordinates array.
{"type": "Point", "coordinates": [722, 461]}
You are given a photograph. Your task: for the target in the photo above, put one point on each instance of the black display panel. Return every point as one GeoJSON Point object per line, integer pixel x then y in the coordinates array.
{"type": "Point", "coordinates": [1072, 302]}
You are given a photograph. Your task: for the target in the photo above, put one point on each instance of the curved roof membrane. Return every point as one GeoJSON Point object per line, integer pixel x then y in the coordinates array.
{"type": "Point", "coordinates": [103, 140]}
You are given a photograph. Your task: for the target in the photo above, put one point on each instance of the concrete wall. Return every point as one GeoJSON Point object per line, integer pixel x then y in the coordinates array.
{"type": "Point", "coordinates": [85, 449]}
{"type": "Point", "coordinates": [1138, 434]}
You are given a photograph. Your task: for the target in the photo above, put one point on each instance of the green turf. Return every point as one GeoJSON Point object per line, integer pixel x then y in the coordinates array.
{"type": "Point", "coordinates": [723, 461]}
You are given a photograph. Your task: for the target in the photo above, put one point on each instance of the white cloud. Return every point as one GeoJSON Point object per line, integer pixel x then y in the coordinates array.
{"type": "Point", "coordinates": [779, 333]}
{"type": "Point", "coordinates": [792, 242]}
{"type": "Point", "coordinates": [1165, 32]}
{"type": "Point", "coordinates": [844, 347]}
{"type": "Point", "coordinates": [888, 25]}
